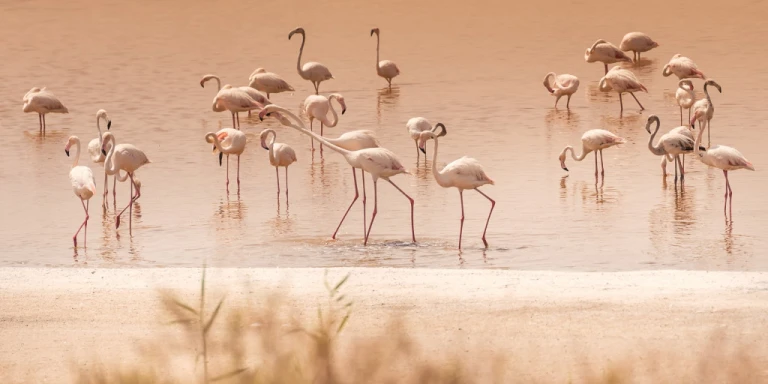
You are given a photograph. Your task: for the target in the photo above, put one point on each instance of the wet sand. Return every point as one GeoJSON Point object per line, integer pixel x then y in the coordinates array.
{"type": "Point", "coordinates": [553, 321]}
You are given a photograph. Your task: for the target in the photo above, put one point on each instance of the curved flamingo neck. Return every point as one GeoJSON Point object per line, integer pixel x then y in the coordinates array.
{"type": "Point", "coordinates": [213, 77]}
{"type": "Point", "coordinates": [349, 155]}
{"type": "Point", "coordinates": [301, 50]}
{"type": "Point", "coordinates": [696, 151]}
{"type": "Point", "coordinates": [581, 157]}
{"type": "Point", "coordinates": [378, 40]}
{"type": "Point", "coordinates": [709, 99]}
{"type": "Point", "coordinates": [216, 142]}
{"type": "Point", "coordinates": [109, 165]}
{"type": "Point", "coordinates": [76, 160]}
{"type": "Point", "coordinates": [335, 120]}
{"type": "Point", "coordinates": [657, 149]}
{"type": "Point", "coordinates": [547, 82]}
{"type": "Point", "coordinates": [101, 138]}
{"type": "Point", "coordinates": [438, 175]}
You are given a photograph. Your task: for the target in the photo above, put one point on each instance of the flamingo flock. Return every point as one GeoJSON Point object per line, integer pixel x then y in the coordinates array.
{"type": "Point", "coordinates": [362, 150]}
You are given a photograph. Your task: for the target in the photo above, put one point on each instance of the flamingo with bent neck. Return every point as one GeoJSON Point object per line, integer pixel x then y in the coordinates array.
{"type": "Point", "coordinates": [704, 110]}
{"type": "Point", "coordinates": [268, 82]}
{"type": "Point", "coordinates": [251, 92]}
{"type": "Point", "coordinates": [228, 141]}
{"type": "Point", "coordinates": [606, 53]}
{"type": "Point", "coordinates": [670, 144]}
{"type": "Point", "coordinates": [94, 149]}
{"type": "Point", "coordinates": [280, 155]}
{"type": "Point", "coordinates": [561, 85]}
{"type": "Point", "coordinates": [127, 158]}
{"type": "Point", "coordinates": [463, 173]}
{"type": "Point", "coordinates": [384, 68]}
{"type": "Point", "coordinates": [83, 184]}
{"type": "Point", "coordinates": [685, 97]}
{"type": "Point", "coordinates": [622, 80]}
{"type": "Point", "coordinates": [312, 71]}
{"type": "Point", "coordinates": [42, 102]}
{"type": "Point", "coordinates": [381, 163]}
{"type": "Point", "coordinates": [593, 140]}
{"type": "Point", "coordinates": [317, 107]}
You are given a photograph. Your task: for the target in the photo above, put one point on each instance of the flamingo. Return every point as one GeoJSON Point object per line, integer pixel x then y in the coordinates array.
{"type": "Point", "coordinates": [704, 110]}
{"type": "Point", "coordinates": [606, 53]}
{"type": "Point", "coordinates": [670, 144]}
{"type": "Point", "coordinates": [464, 173]}
{"type": "Point", "coordinates": [562, 85]}
{"type": "Point", "coordinates": [94, 149]}
{"type": "Point", "coordinates": [252, 93]}
{"type": "Point", "coordinates": [268, 82]}
{"type": "Point", "coordinates": [381, 163]}
{"type": "Point", "coordinates": [593, 140]}
{"type": "Point", "coordinates": [384, 68]}
{"type": "Point", "coordinates": [622, 80]}
{"type": "Point", "coordinates": [682, 67]}
{"type": "Point", "coordinates": [415, 126]}
{"type": "Point", "coordinates": [128, 158]}
{"type": "Point", "coordinates": [312, 71]}
{"type": "Point", "coordinates": [351, 141]}
{"type": "Point", "coordinates": [681, 130]}
{"type": "Point", "coordinates": [637, 42]}
{"type": "Point", "coordinates": [317, 106]}
{"type": "Point", "coordinates": [725, 158]}
{"type": "Point", "coordinates": [280, 155]}
{"type": "Point", "coordinates": [685, 97]}
{"type": "Point", "coordinates": [228, 141]}
{"type": "Point", "coordinates": [83, 183]}
{"type": "Point", "coordinates": [42, 102]}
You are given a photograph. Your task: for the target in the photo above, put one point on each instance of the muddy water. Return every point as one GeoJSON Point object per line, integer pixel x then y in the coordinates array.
{"type": "Point", "coordinates": [477, 69]}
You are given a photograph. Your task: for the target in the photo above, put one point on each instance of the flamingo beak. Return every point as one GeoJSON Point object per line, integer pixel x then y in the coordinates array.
{"type": "Point", "coordinates": [67, 152]}
{"type": "Point", "coordinates": [343, 110]}
{"type": "Point", "coordinates": [103, 152]}
{"type": "Point", "coordinates": [109, 124]}
{"type": "Point", "coordinates": [214, 149]}
{"type": "Point", "coordinates": [221, 156]}
{"type": "Point", "coordinates": [424, 151]}
{"type": "Point", "coordinates": [562, 165]}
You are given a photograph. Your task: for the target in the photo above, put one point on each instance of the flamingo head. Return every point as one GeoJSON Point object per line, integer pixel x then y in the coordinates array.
{"type": "Point", "coordinates": [714, 84]}
{"type": "Point", "coordinates": [423, 137]}
{"type": "Point", "coordinates": [221, 156]}
{"type": "Point", "coordinates": [70, 142]}
{"type": "Point", "coordinates": [375, 30]}
{"type": "Point", "coordinates": [295, 31]}
{"type": "Point", "coordinates": [562, 159]}
{"type": "Point", "coordinates": [264, 112]}
{"type": "Point", "coordinates": [263, 137]}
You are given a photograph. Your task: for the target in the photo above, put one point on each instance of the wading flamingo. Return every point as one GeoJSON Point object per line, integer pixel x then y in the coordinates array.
{"type": "Point", "coordinates": [268, 82]}
{"type": "Point", "coordinates": [280, 155]}
{"type": "Point", "coordinates": [682, 67]}
{"type": "Point", "coordinates": [384, 68]}
{"type": "Point", "coordinates": [228, 141]}
{"type": "Point", "coordinates": [83, 184]}
{"type": "Point", "coordinates": [464, 173]}
{"type": "Point", "coordinates": [94, 149]}
{"type": "Point", "coordinates": [681, 130]}
{"type": "Point", "coordinates": [637, 42]}
{"type": "Point", "coordinates": [593, 140]}
{"type": "Point", "coordinates": [606, 53]}
{"type": "Point", "coordinates": [704, 110]}
{"type": "Point", "coordinates": [685, 97]}
{"type": "Point", "coordinates": [622, 80]}
{"type": "Point", "coordinates": [725, 158]}
{"type": "Point", "coordinates": [317, 106]}
{"type": "Point", "coordinates": [312, 71]}
{"type": "Point", "coordinates": [561, 85]}
{"type": "Point", "coordinates": [42, 102]}
{"type": "Point", "coordinates": [672, 144]}
{"type": "Point", "coordinates": [351, 141]}
{"type": "Point", "coordinates": [381, 163]}
{"type": "Point", "coordinates": [415, 126]}
{"type": "Point", "coordinates": [127, 158]}
{"type": "Point", "coordinates": [253, 93]}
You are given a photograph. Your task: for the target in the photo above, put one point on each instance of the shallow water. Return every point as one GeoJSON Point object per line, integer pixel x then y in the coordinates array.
{"type": "Point", "coordinates": [478, 69]}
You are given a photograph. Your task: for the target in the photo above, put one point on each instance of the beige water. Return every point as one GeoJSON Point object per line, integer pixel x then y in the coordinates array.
{"type": "Point", "coordinates": [477, 67]}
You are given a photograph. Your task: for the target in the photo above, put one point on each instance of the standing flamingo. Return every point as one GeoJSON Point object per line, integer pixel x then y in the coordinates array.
{"type": "Point", "coordinates": [685, 97]}
{"type": "Point", "coordinates": [725, 158]}
{"type": "Point", "coordinates": [670, 144]}
{"type": "Point", "coordinates": [415, 126]}
{"type": "Point", "coordinates": [228, 141]}
{"type": "Point", "coordinates": [622, 80]}
{"type": "Point", "coordinates": [253, 93]}
{"type": "Point", "coordinates": [127, 158]}
{"type": "Point", "coordinates": [682, 67]}
{"type": "Point", "coordinates": [381, 163]}
{"type": "Point", "coordinates": [268, 82]}
{"type": "Point", "coordinates": [384, 68]}
{"type": "Point", "coordinates": [42, 102]}
{"type": "Point", "coordinates": [637, 42]}
{"type": "Point", "coordinates": [562, 85]}
{"type": "Point", "coordinates": [681, 130]}
{"type": "Point", "coordinates": [351, 141]}
{"type": "Point", "coordinates": [83, 184]}
{"type": "Point", "coordinates": [280, 155]}
{"type": "Point", "coordinates": [464, 173]}
{"type": "Point", "coordinates": [593, 140]}
{"type": "Point", "coordinates": [606, 53]}
{"type": "Point", "coordinates": [312, 71]}
{"type": "Point", "coordinates": [317, 106]}
{"type": "Point", "coordinates": [704, 110]}
{"type": "Point", "coordinates": [94, 149]}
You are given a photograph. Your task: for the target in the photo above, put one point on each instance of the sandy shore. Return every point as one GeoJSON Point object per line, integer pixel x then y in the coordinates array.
{"type": "Point", "coordinates": [52, 318]}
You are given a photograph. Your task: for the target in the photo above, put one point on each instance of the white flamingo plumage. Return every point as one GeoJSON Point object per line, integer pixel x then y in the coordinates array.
{"type": "Point", "coordinates": [384, 68]}
{"type": "Point", "coordinates": [463, 173]}
{"type": "Point", "coordinates": [232, 96]}
{"type": "Point", "coordinates": [725, 158]}
{"type": "Point", "coordinates": [685, 97]}
{"type": "Point", "coordinates": [381, 163]}
{"type": "Point", "coordinates": [606, 53]}
{"type": "Point", "coordinates": [126, 158]}
{"type": "Point", "coordinates": [317, 107]}
{"type": "Point", "coordinates": [561, 85]}
{"type": "Point", "coordinates": [681, 130]}
{"type": "Point", "coordinates": [593, 140]}
{"type": "Point", "coordinates": [671, 144]}
{"type": "Point", "coordinates": [704, 110]}
{"type": "Point", "coordinates": [637, 42]}
{"type": "Point", "coordinates": [268, 82]}
{"type": "Point", "coordinates": [228, 141]}
{"type": "Point", "coordinates": [682, 67]}
{"type": "Point", "coordinates": [97, 155]}
{"type": "Point", "coordinates": [312, 71]}
{"type": "Point", "coordinates": [622, 80]}
{"type": "Point", "coordinates": [415, 126]}
{"type": "Point", "coordinates": [280, 155]}
{"type": "Point", "coordinates": [42, 102]}
{"type": "Point", "coordinates": [83, 183]}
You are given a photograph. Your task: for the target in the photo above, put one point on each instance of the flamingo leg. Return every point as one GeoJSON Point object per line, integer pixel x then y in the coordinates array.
{"type": "Point", "coordinates": [681, 115]}
{"type": "Point", "coordinates": [638, 101]}
{"type": "Point", "coordinates": [596, 165]}
{"type": "Point", "coordinates": [87, 216]}
{"type": "Point", "coordinates": [321, 134]}
{"type": "Point", "coordinates": [130, 207]}
{"type": "Point", "coordinates": [413, 229]}
{"type": "Point", "coordinates": [362, 177]}
{"type": "Point", "coordinates": [417, 150]}
{"type": "Point", "coordinates": [677, 165]}
{"type": "Point", "coordinates": [114, 191]}
{"type": "Point", "coordinates": [237, 114]}
{"type": "Point", "coordinates": [317, 87]}
{"type": "Point", "coordinates": [602, 167]}
{"type": "Point", "coordinates": [493, 204]}
{"type": "Point", "coordinates": [312, 139]}
{"type": "Point", "coordinates": [84, 224]}
{"type": "Point", "coordinates": [40, 120]}
{"type": "Point", "coordinates": [709, 142]}
{"type": "Point", "coordinates": [606, 68]}
{"type": "Point", "coordinates": [354, 177]}
{"type": "Point", "coordinates": [568, 103]}
{"type": "Point", "coordinates": [556, 100]}
{"type": "Point", "coordinates": [375, 209]}
{"type": "Point", "coordinates": [286, 185]}
{"type": "Point", "coordinates": [106, 190]}
{"type": "Point", "coordinates": [277, 176]}
{"type": "Point", "coordinates": [682, 168]}
{"type": "Point", "coordinates": [234, 125]}
{"type": "Point", "coordinates": [664, 166]}
{"type": "Point", "coordinates": [689, 114]}
{"type": "Point", "coordinates": [725, 200]}
{"type": "Point", "coordinates": [44, 124]}
{"type": "Point", "coordinates": [227, 184]}
{"type": "Point", "coordinates": [621, 103]}
{"type": "Point", "coordinates": [461, 226]}
{"type": "Point", "coordinates": [238, 174]}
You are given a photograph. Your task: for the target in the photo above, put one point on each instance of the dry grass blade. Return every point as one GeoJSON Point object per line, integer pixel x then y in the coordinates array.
{"type": "Point", "coordinates": [230, 374]}
{"type": "Point", "coordinates": [213, 316]}
{"type": "Point", "coordinates": [340, 283]}
{"type": "Point", "coordinates": [184, 306]}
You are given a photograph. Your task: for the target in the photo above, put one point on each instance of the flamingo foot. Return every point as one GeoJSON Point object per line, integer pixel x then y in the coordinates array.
{"type": "Point", "coordinates": [117, 222]}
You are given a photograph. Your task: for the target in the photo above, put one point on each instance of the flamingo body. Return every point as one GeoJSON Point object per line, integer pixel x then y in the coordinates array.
{"type": "Point", "coordinates": [127, 158]}
{"type": "Point", "coordinates": [637, 42]}
{"type": "Point", "coordinates": [228, 141]}
{"type": "Point", "coordinates": [82, 181]}
{"type": "Point", "coordinates": [317, 107]}
{"type": "Point", "coordinates": [384, 68]}
{"type": "Point", "coordinates": [594, 140]}
{"type": "Point", "coordinates": [704, 110]}
{"type": "Point", "coordinates": [682, 67]}
{"type": "Point", "coordinates": [606, 53]}
{"type": "Point", "coordinates": [620, 81]}
{"type": "Point", "coordinates": [268, 82]}
{"type": "Point", "coordinates": [42, 102]}
{"type": "Point", "coordinates": [561, 85]}
{"type": "Point", "coordinates": [312, 71]}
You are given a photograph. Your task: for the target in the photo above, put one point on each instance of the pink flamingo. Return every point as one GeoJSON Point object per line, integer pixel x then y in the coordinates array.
{"type": "Point", "coordinates": [685, 97]}
{"type": "Point", "coordinates": [637, 42]}
{"type": "Point", "coordinates": [622, 80]}
{"type": "Point", "coordinates": [671, 144]}
{"type": "Point", "coordinates": [254, 94]}
{"type": "Point", "coordinates": [83, 183]}
{"type": "Point", "coordinates": [593, 140]}
{"type": "Point", "coordinates": [312, 71]}
{"type": "Point", "coordinates": [280, 155]}
{"type": "Point", "coordinates": [561, 85]}
{"type": "Point", "coordinates": [682, 67]}
{"type": "Point", "coordinates": [704, 110]}
{"type": "Point", "coordinates": [415, 126]}
{"type": "Point", "coordinates": [42, 102]}
{"type": "Point", "coordinates": [268, 82]}
{"type": "Point", "coordinates": [317, 107]}
{"type": "Point", "coordinates": [606, 53]}
{"type": "Point", "coordinates": [128, 158]}
{"type": "Point", "coordinates": [384, 68]}
{"type": "Point", "coordinates": [228, 141]}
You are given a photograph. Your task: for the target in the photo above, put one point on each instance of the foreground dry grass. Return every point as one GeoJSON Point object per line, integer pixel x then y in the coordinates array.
{"type": "Point", "coordinates": [272, 344]}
